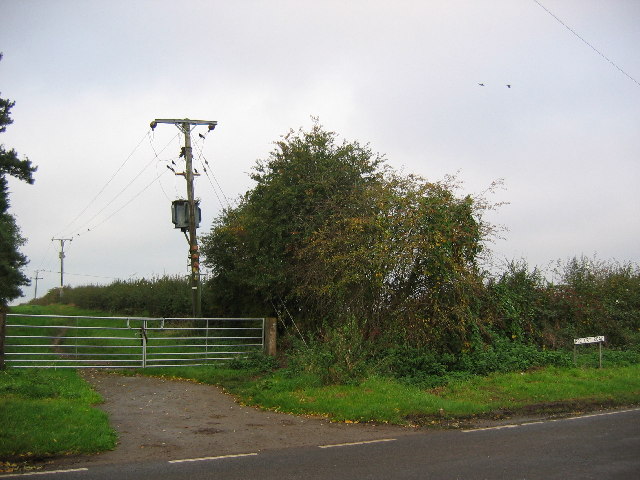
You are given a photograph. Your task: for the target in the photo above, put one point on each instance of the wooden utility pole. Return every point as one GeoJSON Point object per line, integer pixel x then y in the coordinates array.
{"type": "Point", "coordinates": [185, 126]}
{"type": "Point", "coordinates": [35, 293]}
{"type": "Point", "coordinates": [61, 255]}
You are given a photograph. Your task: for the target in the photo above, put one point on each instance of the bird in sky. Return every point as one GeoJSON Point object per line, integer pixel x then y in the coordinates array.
{"type": "Point", "coordinates": [481, 84]}
{"type": "Point", "coordinates": [508, 86]}
{"type": "Point", "coordinates": [201, 135]}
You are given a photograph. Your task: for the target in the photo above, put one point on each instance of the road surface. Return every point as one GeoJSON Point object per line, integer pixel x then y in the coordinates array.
{"type": "Point", "coordinates": [604, 445]}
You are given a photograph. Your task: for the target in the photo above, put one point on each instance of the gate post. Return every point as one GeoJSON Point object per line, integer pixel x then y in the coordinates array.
{"type": "Point", "coordinates": [270, 336]}
{"type": "Point", "coordinates": [3, 332]}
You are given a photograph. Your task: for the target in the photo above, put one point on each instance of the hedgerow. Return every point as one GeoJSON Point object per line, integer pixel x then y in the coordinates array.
{"type": "Point", "coordinates": [380, 271]}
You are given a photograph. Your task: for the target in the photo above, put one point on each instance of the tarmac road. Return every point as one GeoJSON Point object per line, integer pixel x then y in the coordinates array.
{"type": "Point", "coordinates": [604, 445]}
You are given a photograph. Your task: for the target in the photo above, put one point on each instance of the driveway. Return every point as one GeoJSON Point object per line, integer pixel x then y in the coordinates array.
{"type": "Point", "coordinates": [173, 419]}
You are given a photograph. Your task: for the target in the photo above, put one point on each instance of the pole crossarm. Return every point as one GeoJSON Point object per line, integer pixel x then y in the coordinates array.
{"type": "Point", "coordinates": [181, 122]}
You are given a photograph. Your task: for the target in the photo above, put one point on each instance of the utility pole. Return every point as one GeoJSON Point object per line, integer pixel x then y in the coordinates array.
{"type": "Point", "coordinates": [61, 255]}
{"type": "Point", "coordinates": [35, 293]}
{"type": "Point", "coordinates": [185, 126]}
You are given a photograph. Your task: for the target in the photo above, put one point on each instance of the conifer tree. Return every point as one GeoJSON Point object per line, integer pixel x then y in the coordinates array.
{"type": "Point", "coordinates": [11, 259]}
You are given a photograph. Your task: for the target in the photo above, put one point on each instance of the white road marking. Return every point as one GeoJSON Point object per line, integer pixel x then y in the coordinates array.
{"type": "Point", "coordinates": [44, 473]}
{"type": "Point", "coordinates": [202, 459]}
{"type": "Point", "coordinates": [357, 443]}
{"type": "Point", "coordinates": [601, 414]}
{"type": "Point", "coordinates": [526, 424]}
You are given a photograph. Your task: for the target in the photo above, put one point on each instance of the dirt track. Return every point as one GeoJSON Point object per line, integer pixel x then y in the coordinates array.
{"type": "Point", "coordinates": [168, 419]}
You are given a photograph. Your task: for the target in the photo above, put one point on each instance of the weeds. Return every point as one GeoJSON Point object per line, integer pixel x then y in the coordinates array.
{"type": "Point", "coordinates": [254, 361]}
{"type": "Point", "coordinates": [341, 355]}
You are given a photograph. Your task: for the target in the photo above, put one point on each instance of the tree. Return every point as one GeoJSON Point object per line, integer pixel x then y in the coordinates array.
{"type": "Point", "coordinates": [11, 260]}
{"type": "Point", "coordinates": [337, 236]}
{"type": "Point", "coordinates": [251, 248]}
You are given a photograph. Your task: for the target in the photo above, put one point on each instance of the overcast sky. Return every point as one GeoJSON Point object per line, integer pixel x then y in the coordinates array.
{"type": "Point", "coordinates": [89, 76]}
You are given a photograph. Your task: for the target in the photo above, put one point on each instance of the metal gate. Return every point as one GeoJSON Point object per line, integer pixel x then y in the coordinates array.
{"type": "Point", "coordinates": [59, 341]}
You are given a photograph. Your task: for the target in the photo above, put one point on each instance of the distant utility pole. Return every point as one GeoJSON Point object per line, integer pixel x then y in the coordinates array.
{"type": "Point", "coordinates": [61, 255]}
{"type": "Point", "coordinates": [35, 293]}
{"type": "Point", "coordinates": [185, 126]}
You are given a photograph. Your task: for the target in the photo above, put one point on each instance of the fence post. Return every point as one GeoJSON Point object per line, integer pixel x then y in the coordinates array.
{"type": "Point", "coordinates": [270, 336]}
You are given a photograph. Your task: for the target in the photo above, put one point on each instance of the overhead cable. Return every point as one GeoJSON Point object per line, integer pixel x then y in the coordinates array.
{"type": "Point", "coordinates": [126, 204]}
{"type": "Point", "coordinates": [78, 230]}
{"type": "Point", "coordinates": [587, 43]}
{"type": "Point", "coordinates": [107, 183]}
{"type": "Point", "coordinates": [205, 163]}
{"type": "Point", "coordinates": [78, 274]}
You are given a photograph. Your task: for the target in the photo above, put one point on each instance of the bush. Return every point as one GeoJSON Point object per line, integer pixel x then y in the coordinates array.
{"type": "Point", "coordinates": [343, 357]}
{"type": "Point", "coordinates": [508, 356]}
{"type": "Point", "coordinates": [415, 366]}
{"type": "Point", "coordinates": [340, 356]}
{"type": "Point", "coordinates": [601, 298]}
{"type": "Point", "coordinates": [255, 362]}
{"type": "Point", "coordinates": [518, 297]}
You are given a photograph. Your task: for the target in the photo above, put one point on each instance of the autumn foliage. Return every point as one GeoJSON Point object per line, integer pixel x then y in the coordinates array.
{"type": "Point", "coordinates": [333, 234]}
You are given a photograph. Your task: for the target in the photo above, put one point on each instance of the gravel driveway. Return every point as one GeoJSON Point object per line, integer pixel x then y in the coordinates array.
{"type": "Point", "coordinates": [171, 419]}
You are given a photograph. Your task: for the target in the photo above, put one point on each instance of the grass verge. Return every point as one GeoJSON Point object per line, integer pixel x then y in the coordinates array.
{"type": "Point", "coordinates": [46, 413]}
{"type": "Point", "coordinates": [384, 400]}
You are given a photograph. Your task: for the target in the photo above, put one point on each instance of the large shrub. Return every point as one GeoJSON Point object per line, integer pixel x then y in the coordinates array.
{"type": "Point", "coordinates": [330, 233]}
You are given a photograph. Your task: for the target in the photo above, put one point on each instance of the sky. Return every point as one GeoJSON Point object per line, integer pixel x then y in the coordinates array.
{"type": "Point", "coordinates": [88, 77]}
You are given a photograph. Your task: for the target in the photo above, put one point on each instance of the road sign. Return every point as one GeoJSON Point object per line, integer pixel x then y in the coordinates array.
{"type": "Point", "coordinates": [580, 341]}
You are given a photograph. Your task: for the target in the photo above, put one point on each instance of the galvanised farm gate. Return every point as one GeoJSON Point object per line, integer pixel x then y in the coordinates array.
{"type": "Point", "coordinates": [59, 341]}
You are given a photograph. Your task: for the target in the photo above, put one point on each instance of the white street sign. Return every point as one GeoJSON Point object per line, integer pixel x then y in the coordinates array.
{"type": "Point", "coordinates": [580, 341]}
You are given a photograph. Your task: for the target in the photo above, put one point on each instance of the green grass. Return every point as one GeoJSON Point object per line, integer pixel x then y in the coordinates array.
{"type": "Point", "coordinates": [545, 387]}
{"type": "Point", "coordinates": [45, 412]}
{"type": "Point", "coordinates": [546, 390]}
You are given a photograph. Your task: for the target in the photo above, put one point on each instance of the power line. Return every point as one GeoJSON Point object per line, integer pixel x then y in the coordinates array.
{"type": "Point", "coordinates": [45, 255]}
{"type": "Point", "coordinates": [126, 204]}
{"type": "Point", "coordinates": [79, 229]}
{"type": "Point", "coordinates": [162, 186]}
{"type": "Point", "coordinates": [213, 188]}
{"type": "Point", "coordinates": [126, 187]}
{"type": "Point", "coordinates": [108, 182]}
{"type": "Point", "coordinates": [204, 165]}
{"type": "Point", "coordinates": [79, 274]}
{"type": "Point", "coordinates": [587, 43]}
